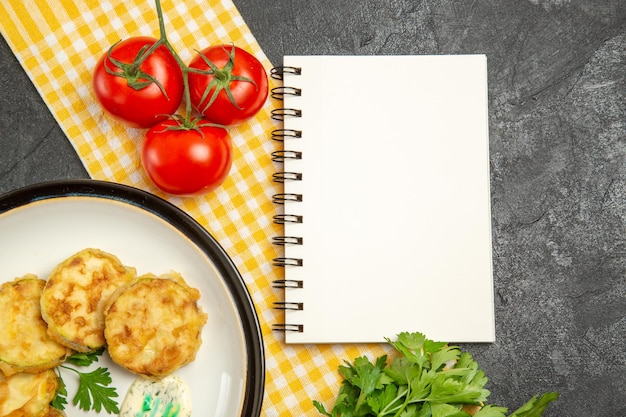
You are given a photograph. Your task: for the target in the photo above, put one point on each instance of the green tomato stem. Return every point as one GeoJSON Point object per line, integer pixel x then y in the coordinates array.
{"type": "Point", "coordinates": [187, 121]}
{"type": "Point", "coordinates": [222, 76]}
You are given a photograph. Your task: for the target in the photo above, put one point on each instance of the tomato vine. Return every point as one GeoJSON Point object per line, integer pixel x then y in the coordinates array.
{"type": "Point", "coordinates": [183, 152]}
{"type": "Point", "coordinates": [138, 79]}
{"type": "Point", "coordinates": [187, 122]}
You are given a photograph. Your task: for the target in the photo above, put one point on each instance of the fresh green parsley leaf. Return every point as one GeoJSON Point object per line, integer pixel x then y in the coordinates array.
{"type": "Point", "coordinates": [411, 345]}
{"type": "Point", "coordinates": [384, 398]}
{"type": "Point", "coordinates": [94, 391]}
{"type": "Point", "coordinates": [401, 370]}
{"type": "Point", "coordinates": [365, 374]}
{"type": "Point", "coordinates": [450, 388]}
{"type": "Point", "coordinates": [426, 379]}
{"type": "Point", "coordinates": [536, 405]}
{"type": "Point", "coordinates": [413, 410]}
{"type": "Point", "coordinates": [94, 386]}
{"type": "Point", "coordinates": [320, 408]}
{"type": "Point", "coordinates": [443, 356]}
{"type": "Point", "coordinates": [84, 358]}
{"type": "Point", "coordinates": [60, 399]}
{"type": "Point", "coordinates": [446, 410]}
{"type": "Point", "coordinates": [491, 411]}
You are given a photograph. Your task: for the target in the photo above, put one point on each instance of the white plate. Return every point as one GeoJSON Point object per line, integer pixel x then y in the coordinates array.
{"type": "Point", "coordinates": [44, 224]}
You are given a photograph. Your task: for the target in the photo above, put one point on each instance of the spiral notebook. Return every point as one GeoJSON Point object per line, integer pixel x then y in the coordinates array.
{"type": "Point", "coordinates": [386, 202]}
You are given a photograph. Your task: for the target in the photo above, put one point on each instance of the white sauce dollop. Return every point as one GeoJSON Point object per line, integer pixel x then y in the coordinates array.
{"type": "Point", "coordinates": [168, 397]}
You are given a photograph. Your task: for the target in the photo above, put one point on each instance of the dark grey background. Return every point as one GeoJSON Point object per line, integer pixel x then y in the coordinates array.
{"type": "Point", "coordinates": [557, 137]}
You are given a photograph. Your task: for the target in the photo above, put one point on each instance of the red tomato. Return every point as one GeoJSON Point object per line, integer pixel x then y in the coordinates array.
{"type": "Point", "coordinates": [129, 95]}
{"type": "Point", "coordinates": [186, 162]}
{"type": "Point", "coordinates": [234, 71]}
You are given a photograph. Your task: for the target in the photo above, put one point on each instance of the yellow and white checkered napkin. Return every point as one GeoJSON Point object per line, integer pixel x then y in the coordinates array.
{"type": "Point", "coordinates": [58, 43]}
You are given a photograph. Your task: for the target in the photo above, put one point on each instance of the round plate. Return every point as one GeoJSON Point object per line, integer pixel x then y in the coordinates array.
{"type": "Point", "coordinates": [43, 224]}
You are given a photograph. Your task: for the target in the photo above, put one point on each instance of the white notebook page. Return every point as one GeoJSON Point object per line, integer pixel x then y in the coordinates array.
{"type": "Point", "coordinates": [396, 198]}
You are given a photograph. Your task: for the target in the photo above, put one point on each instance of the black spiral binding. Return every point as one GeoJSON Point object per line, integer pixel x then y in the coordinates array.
{"type": "Point", "coordinates": [280, 156]}
{"type": "Point", "coordinates": [279, 92]}
{"type": "Point", "coordinates": [277, 72]}
{"type": "Point", "coordinates": [282, 135]}
{"type": "Point", "coordinates": [283, 327]}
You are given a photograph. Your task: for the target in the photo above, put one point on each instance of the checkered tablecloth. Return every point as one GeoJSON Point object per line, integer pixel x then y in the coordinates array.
{"type": "Point", "coordinates": [58, 43]}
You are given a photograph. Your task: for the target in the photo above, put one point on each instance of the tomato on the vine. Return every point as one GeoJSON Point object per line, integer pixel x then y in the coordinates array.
{"type": "Point", "coordinates": [139, 95]}
{"type": "Point", "coordinates": [184, 161]}
{"type": "Point", "coordinates": [227, 84]}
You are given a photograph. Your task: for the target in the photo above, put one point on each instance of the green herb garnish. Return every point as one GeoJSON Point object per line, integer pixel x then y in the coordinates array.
{"type": "Point", "coordinates": [427, 379]}
{"type": "Point", "coordinates": [94, 392]}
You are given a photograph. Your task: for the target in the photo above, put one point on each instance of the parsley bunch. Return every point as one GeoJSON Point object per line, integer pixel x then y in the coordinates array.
{"type": "Point", "coordinates": [427, 379]}
{"type": "Point", "coordinates": [93, 390]}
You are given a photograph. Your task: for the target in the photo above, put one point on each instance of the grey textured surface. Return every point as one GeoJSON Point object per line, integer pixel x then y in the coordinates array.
{"type": "Point", "coordinates": [33, 148]}
{"type": "Point", "coordinates": [557, 82]}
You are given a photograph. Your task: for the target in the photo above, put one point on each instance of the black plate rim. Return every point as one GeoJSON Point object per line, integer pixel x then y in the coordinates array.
{"type": "Point", "coordinates": [255, 377]}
